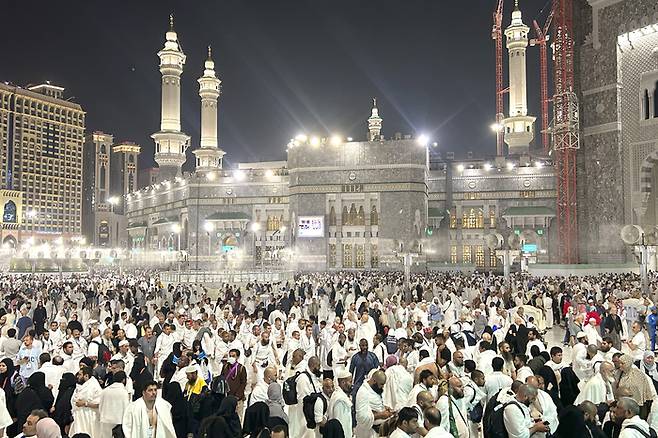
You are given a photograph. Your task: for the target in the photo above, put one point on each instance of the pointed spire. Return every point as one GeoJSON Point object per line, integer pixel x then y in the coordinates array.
{"type": "Point", "coordinates": [209, 53]}
{"type": "Point", "coordinates": [374, 102]}
{"type": "Point", "coordinates": [516, 5]}
{"type": "Point", "coordinates": [171, 21]}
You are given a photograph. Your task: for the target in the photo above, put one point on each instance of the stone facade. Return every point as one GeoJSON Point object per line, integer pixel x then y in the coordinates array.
{"type": "Point", "coordinates": [616, 43]}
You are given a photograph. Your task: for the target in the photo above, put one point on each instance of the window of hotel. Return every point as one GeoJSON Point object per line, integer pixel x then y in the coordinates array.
{"type": "Point", "coordinates": [466, 256]}
{"type": "Point", "coordinates": [473, 218]}
{"type": "Point", "coordinates": [479, 256]}
{"type": "Point", "coordinates": [492, 217]}
{"type": "Point", "coordinates": [374, 256]}
{"type": "Point", "coordinates": [347, 255]}
{"type": "Point", "coordinates": [361, 216]}
{"type": "Point", "coordinates": [352, 217]}
{"type": "Point", "coordinates": [332, 255]}
{"type": "Point", "coordinates": [374, 217]}
{"type": "Point", "coordinates": [493, 260]}
{"type": "Point", "coordinates": [453, 218]}
{"type": "Point", "coordinates": [345, 217]}
{"type": "Point", "coordinates": [453, 254]}
{"type": "Point", "coordinates": [332, 216]}
{"type": "Point", "coordinates": [360, 256]}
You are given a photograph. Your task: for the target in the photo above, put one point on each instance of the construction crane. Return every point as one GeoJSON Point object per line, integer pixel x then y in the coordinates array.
{"type": "Point", "coordinates": [497, 36]}
{"type": "Point", "coordinates": [565, 131]}
{"type": "Point", "coordinates": [541, 40]}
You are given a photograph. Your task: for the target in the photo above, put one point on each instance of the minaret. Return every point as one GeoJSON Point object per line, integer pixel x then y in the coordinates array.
{"type": "Point", "coordinates": [209, 156]}
{"type": "Point", "coordinates": [170, 142]}
{"type": "Point", "coordinates": [519, 127]}
{"type": "Point", "coordinates": [374, 122]}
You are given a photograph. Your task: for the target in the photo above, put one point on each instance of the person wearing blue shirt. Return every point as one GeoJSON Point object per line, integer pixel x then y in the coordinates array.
{"type": "Point", "coordinates": [28, 357]}
{"type": "Point", "coordinates": [361, 364]}
{"type": "Point", "coordinates": [652, 319]}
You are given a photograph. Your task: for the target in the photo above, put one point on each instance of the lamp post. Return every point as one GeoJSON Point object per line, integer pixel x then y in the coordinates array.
{"type": "Point", "coordinates": [176, 229]}
{"type": "Point", "coordinates": [209, 227]}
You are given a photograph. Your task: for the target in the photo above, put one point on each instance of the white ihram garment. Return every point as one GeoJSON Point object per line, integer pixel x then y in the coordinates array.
{"type": "Point", "coordinates": [85, 419]}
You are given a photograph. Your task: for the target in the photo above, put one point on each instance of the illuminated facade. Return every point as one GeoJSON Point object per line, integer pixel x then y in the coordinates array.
{"type": "Point", "coordinates": [339, 203]}
{"type": "Point", "coordinates": [41, 158]}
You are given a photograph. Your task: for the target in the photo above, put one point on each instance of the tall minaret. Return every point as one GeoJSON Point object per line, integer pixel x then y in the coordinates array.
{"type": "Point", "coordinates": [170, 142]}
{"type": "Point", "coordinates": [519, 127]}
{"type": "Point", "coordinates": [209, 156]}
{"type": "Point", "coordinates": [374, 122]}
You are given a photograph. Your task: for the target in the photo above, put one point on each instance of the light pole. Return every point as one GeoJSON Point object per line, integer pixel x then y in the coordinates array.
{"type": "Point", "coordinates": [209, 227]}
{"type": "Point", "coordinates": [176, 229]}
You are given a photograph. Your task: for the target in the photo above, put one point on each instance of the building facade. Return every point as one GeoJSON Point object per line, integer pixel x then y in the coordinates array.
{"type": "Point", "coordinates": [41, 158]}
{"type": "Point", "coordinates": [617, 83]}
{"type": "Point", "coordinates": [110, 174]}
{"type": "Point", "coordinates": [338, 203]}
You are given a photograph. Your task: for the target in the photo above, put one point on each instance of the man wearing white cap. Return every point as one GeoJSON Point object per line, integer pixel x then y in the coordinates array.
{"type": "Point", "coordinates": [340, 405]}
{"type": "Point", "coordinates": [125, 355]}
{"type": "Point", "coordinates": [582, 366]}
{"type": "Point", "coordinates": [593, 336]}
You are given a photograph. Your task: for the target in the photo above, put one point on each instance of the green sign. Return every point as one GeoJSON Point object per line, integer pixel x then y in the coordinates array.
{"type": "Point", "coordinates": [517, 232]}
{"type": "Point", "coordinates": [540, 232]}
{"type": "Point", "coordinates": [429, 231]}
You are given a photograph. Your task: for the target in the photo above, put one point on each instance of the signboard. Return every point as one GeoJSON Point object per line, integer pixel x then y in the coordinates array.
{"type": "Point", "coordinates": [529, 247]}
{"type": "Point", "coordinates": [310, 226]}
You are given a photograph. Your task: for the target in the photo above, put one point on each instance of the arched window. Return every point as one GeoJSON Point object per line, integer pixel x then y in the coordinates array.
{"type": "Point", "coordinates": [374, 217]}
{"type": "Point", "coordinates": [103, 149]}
{"type": "Point", "coordinates": [9, 212]}
{"type": "Point", "coordinates": [353, 215]}
{"type": "Point", "coordinates": [131, 159]}
{"type": "Point", "coordinates": [361, 216]}
{"type": "Point", "coordinates": [332, 216]}
{"type": "Point", "coordinates": [101, 176]}
{"type": "Point", "coordinates": [345, 219]}
{"type": "Point", "coordinates": [131, 182]}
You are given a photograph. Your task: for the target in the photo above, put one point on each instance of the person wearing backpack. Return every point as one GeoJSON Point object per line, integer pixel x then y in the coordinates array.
{"type": "Point", "coordinates": [315, 408]}
{"type": "Point", "coordinates": [516, 416]}
{"type": "Point", "coordinates": [632, 426]}
{"type": "Point", "coordinates": [305, 383]}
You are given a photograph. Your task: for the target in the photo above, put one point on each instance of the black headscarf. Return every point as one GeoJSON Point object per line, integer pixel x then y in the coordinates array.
{"type": "Point", "coordinates": [333, 429]}
{"type": "Point", "coordinates": [139, 375]}
{"type": "Point", "coordinates": [37, 382]}
{"type": "Point", "coordinates": [62, 414]}
{"type": "Point", "coordinates": [228, 411]}
{"type": "Point", "coordinates": [215, 427]}
{"type": "Point", "coordinates": [255, 419]}
{"type": "Point", "coordinates": [572, 423]}
{"type": "Point", "coordinates": [5, 378]}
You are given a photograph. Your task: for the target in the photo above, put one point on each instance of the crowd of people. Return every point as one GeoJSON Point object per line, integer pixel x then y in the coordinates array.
{"type": "Point", "coordinates": [357, 354]}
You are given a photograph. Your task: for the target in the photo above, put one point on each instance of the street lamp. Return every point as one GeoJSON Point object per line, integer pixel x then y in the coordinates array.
{"type": "Point", "coordinates": [113, 201]}
{"type": "Point", "coordinates": [209, 227]}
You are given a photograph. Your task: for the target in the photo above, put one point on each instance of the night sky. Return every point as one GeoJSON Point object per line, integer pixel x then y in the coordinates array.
{"type": "Point", "coordinates": [287, 66]}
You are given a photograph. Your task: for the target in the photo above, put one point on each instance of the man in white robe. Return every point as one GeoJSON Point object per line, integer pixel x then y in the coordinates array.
{"type": "Point", "coordinates": [454, 402]}
{"type": "Point", "coordinates": [370, 410]}
{"type": "Point", "coordinates": [366, 329]}
{"type": "Point", "coordinates": [307, 384]}
{"type": "Point", "coordinates": [544, 405]}
{"type": "Point", "coordinates": [84, 404]}
{"type": "Point", "coordinates": [113, 402]}
{"type": "Point", "coordinates": [599, 389]}
{"type": "Point", "coordinates": [163, 348]}
{"type": "Point", "coordinates": [149, 416]}
{"type": "Point", "coordinates": [399, 382]}
{"type": "Point", "coordinates": [340, 404]}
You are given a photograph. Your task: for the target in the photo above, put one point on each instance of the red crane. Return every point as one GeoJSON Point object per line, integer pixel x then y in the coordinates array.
{"type": "Point", "coordinates": [565, 130]}
{"type": "Point", "coordinates": [541, 40]}
{"type": "Point", "coordinates": [497, 36]}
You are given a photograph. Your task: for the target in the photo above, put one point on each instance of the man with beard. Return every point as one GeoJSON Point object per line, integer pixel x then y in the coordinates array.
{"type": "Point", "coordinates": [362, 363]}
{"type": "Point", "coordinates": [508, 358]}
{"type": "Point", "coordinates": [370, 410]}
{"type": "Point", "coordinates": [522, 370]}
{"type": "Point", "coordinates": [424, 400]}
{"type": "Point", "coordinates": [453, 415]}
{"type": "Point", "coordinates": [339, 354]}
{"type": "Point", "coordinates": [456, 366]}
{"type": "Point", "coordinates": [516, 414]}
{"type": "Point", "coordinates": [496, 380]}
{"type": "Point", "coordinates": [582, 365]}
{"type": "Point", "coordinates": [599, 389]}
{"type": "Point", "coordinates": [544, 404]}
{"type": "Point", "coordinates": [307, 383]}
{"type": "Point", "coordinates": [427, 382]}
{"type": "Point", "coordinates": [340, 403]}
{"type": "Point", "coordinates": [85, 402]}
{"type": "Point", "coordinates": [606, 351]}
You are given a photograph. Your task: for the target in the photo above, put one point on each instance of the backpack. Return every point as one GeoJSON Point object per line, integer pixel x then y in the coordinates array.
{"type": "Point", "coordinates": [330, 358]}
{"type": "Point", "coordinates": [104, 353]}
{"type": "Point", "coordinates": [476, 413]}
{"type": "Point", "coordinates": [651, 434]}
{"type": "Point", "coordinates": [290, 388]}
{"type": "Point", "coordinates": [309, 408]}
{"type": "Point", "coordinates": [219, 385]}
{"type": "Point", "coordinates": [391, 344]}
{"type": "Point", "coordinates": [494, 425]}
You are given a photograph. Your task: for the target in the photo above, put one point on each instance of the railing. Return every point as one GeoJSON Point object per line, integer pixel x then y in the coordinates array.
{"type": "Point", "coordinates": [232, 277]}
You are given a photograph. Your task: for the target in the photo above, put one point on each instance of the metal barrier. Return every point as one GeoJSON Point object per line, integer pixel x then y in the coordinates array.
{"type": "Point", "coordinates": [231, 277]}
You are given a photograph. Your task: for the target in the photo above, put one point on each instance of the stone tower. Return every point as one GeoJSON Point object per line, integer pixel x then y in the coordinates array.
{"type": "Point", "coordinates": [209, 156]}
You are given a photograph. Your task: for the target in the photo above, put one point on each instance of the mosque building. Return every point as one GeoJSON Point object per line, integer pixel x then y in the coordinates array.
{"type": "Point", "coordinates": [343, 203]}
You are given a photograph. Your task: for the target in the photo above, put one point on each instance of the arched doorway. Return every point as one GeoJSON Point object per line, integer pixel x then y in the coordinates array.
{"type": "Point", "coordinates": [9, 242]}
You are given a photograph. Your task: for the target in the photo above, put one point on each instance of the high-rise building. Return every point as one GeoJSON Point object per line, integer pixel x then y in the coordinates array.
{"type": "Point", "coordinates": [110, 174]}
{"type": "Point", "coordinates": [41, 156]}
